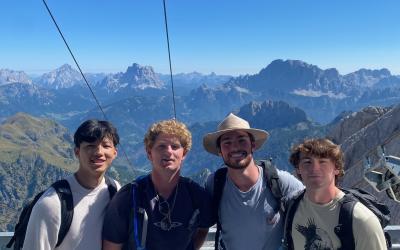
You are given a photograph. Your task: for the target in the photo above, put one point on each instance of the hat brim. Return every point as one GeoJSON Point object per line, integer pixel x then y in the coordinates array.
{"type": "Point", "coordinates": [210, 140]}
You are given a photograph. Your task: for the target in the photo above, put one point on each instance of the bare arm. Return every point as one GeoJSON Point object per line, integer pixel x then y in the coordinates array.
{"type": "Point", "coordinates": [199, 237]}
{"type": "Point", "coordinates": [108, 245]}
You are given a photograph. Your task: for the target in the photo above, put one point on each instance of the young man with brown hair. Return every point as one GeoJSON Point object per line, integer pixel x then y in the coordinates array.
{"type": "Point", "coordinates": [313, 223]}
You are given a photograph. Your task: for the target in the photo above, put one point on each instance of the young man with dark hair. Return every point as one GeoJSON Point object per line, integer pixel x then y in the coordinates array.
{"type": "Point", "coordinates": [177, 209]}
{"type": "Point", "coordinates": [95, 147]}
{"type": "Point", "coordinates": [248, 211]}
{"type": "Point", "coordinates": [313, 224]}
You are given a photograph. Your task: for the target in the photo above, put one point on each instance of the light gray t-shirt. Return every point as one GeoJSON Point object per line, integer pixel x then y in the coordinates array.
{"type": "Point", "coordinates": [248, 219]}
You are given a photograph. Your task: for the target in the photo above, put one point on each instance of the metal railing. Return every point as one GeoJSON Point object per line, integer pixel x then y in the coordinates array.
{"type": "Point", "coordinates": [393, 230]}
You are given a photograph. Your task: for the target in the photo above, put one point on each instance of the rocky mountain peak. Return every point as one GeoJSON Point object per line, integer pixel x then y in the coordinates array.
{"type": "Point", "coordinates": [353, 122]}
{"type": "Point", "coordinates": [141, 77]}
{"type": "Point", "coordinates": [272, 114]}
{"type": "Point", "coordinates": [367, 77]}
{"type": "Point", "coordinates": [10, 76]}
{"type": "Point", "coordinates": [60, 78]}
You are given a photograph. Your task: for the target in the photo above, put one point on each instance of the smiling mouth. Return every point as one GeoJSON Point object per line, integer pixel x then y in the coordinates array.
{"type": "Point", "coordinates": [97, 162]}
{"type": "Point", "coordinates": [238, 155]}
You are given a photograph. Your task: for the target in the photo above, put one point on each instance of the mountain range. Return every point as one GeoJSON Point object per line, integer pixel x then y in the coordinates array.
{"type": "Point", "coordinates": [291, 99]}
{"type": "Point", "coordinates": [322, 94]}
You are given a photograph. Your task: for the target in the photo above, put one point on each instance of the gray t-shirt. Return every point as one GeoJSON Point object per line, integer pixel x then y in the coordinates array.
{"type": "Point", "coordinates": [248, 219]}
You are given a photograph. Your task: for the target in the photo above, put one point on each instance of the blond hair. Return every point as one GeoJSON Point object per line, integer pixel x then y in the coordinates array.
{"type": "Point", "coordinates": [169, 127]}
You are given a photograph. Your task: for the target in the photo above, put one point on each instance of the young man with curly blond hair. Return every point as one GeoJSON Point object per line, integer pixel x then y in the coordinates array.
{"type": "Point", "coordinates": [178, 209]}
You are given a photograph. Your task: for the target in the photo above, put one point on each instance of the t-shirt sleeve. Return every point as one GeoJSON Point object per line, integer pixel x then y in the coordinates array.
{"type": "Point", "coordinates": [44, 223]}
{"type": "Point", "coordinates": [116, 219]}
{"type": "Point", "coordinates": [367, 230]}
{"type": "Point", "coordinates": [206, 218]}
{"type": "Point", "coordinates": [290, 184]}
{"type": "Point", "coordinates": [209, 184]}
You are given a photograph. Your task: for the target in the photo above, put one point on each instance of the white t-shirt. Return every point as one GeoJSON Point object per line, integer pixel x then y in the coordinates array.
{"type": "Point", "coordinates": [87, 223]}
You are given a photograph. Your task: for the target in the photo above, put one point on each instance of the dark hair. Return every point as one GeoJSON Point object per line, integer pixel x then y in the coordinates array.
{"type": "Point", "coordinates": [321, 148]}
{"type": "Point", "coordinates": [95, 130]}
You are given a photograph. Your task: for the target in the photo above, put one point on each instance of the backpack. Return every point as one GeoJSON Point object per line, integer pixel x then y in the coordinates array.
{"type": "Point", "coordinates": [138, 217]}
{"type": "Point", "coordinates": [272, 180]}
{"type": "Point", "coordinates": [344, 229]}
{"type": "Point", "coordinates": [64, 193]}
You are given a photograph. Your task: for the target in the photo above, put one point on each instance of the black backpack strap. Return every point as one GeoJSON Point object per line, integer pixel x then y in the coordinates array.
{"type": "Point", "coordinates": [219, 183]}
{"type": "Point", "coordinates": [272, 179]}
{"type": "Point", "coordinates": [22, 225]}
{"type": "Point", "coordinates": [291, 208]}
{"type": "Point", "coordinates": [344, 230]}
{"type": "Point", "coordinates": [63, 191]}
{"type": "Point", "coordinates": [111, 185]}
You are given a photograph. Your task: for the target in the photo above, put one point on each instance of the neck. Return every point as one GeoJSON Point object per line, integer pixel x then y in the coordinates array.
{"type": "Point", "coordinates": [244, 178]}
{"type": "Point", "coordinates": [87, 181]}
{"type": "Point", "coordinates": [164, 185]}
{"type": "Point", "coordinates": [320, 196]}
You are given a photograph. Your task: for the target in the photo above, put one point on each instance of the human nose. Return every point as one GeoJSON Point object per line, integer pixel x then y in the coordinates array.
{"type": "Point", "coordinates": [98, 150]}
{"type": "Point", "coordinates": [315, 165]}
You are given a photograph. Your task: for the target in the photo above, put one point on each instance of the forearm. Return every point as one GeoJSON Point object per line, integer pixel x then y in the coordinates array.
{"type": "Point", "coordinates": [199, 237]}
{"type": "Point", "coordinates": [108, 245]}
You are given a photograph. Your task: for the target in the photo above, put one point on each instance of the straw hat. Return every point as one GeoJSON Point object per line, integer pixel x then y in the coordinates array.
{"type": "Point", "coordinates": [232, 123]}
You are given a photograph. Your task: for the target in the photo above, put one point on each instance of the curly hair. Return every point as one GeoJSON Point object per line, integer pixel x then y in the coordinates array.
{"type": "Point", "coordinates": [169, 127]}
{"type": "Point", "coordinates": [321, 148]}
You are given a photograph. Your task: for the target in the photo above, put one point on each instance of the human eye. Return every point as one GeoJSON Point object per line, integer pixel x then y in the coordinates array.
{"type": "Point", "coordinates": [161, 146]}
{"type": "Point", "coordinates": [176, 146]}
{"type": "Point", "coordinates": [305, 162]}
{"type": "Point", "coordinates": [324, 161]}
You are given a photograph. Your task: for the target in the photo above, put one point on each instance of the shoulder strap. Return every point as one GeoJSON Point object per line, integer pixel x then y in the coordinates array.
{"type": "Point", "coordinates": [111, 185]}
{"type": "Point", "coordinates": [344, 230]}
{"type": "Point", "coordinates": [137, 217]}
{"type": "Point", "coordinates": [20, 228]}
{"type": "Point", "coordinates": [63, 191]}
{"type": "Point", "coordinates": [272, 179]}
{"type": "Point", "coordinates": [291, 209]}
{"type": "Point", "coordinates": [219, 183]}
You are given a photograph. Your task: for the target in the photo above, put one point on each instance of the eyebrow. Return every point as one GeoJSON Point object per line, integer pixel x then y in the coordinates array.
{"type": "Point", "coordinates": [230, 137]}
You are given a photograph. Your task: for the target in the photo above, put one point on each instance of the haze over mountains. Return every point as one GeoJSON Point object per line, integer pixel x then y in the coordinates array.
{"type": "Point", "coordinates": [291, 99]}
{"type": "Point", "coordinates": [322, 94]}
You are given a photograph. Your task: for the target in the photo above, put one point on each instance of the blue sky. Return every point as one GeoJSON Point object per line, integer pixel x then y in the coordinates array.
{"type": "Point", "coordinates": [226, 37]}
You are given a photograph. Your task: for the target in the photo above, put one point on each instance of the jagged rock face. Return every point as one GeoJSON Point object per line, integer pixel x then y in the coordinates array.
{"type": "Point", "coordinates": [366, 77]}
{"type": "Point", "coordinates": [272, 114]}
{"type": "Point", "coordinates": [11, 76]}
{"type": "Point", "coordinates": [354, 122]}
{"type": "Point", "coordinates": [63, 77]}
{"type": "Point", "coordinates": [383, 130]}
{"type": "Point", "coordinates": [141, 77]}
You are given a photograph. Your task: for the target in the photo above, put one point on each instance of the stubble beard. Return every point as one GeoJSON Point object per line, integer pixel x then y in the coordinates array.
{"type": "Point", "coordinates": [242, 164]}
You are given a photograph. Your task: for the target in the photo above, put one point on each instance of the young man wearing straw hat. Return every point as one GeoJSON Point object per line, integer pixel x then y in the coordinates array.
{"type": "Point", "coordinates": [248, 212]}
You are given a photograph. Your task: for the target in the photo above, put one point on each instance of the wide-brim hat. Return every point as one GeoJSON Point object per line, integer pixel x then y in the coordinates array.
{"type": "Point", "coordinates": [232, 123]}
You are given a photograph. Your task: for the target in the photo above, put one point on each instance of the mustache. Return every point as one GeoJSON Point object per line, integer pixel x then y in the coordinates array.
{"type": "Point", "coordinates": [245, 153]}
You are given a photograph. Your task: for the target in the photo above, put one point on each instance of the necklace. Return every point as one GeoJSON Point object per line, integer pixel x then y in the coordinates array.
{"type": "Point", "coordinates": [166, 210]}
